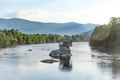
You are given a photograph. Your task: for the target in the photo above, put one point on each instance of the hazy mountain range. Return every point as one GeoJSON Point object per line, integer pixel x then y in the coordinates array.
{"type": "Point", "coordinates": [87, 32]}
{"type": "Point", "coordinates": [27, 26]}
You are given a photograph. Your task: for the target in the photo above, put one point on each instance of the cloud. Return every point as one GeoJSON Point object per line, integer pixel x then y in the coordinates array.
{"type": "Point", "coordinates": [82, 11]}
{"type": "Point", "coordinates": [59, 17]}
{"type": "Point", "coordinates": [10, 15]}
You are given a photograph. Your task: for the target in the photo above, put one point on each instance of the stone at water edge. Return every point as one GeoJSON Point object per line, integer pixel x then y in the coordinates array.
{"type": "Point", "coordinates": [29, 49]}
{"type": "Point", "coordinates": [49, 61]}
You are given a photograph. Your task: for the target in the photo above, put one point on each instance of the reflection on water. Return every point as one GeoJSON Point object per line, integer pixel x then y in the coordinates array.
{"type": "Point", "coordinates": [107, 50]}
{"type": "Point", "coordinates": [113, 67]}
{"type": "Point", "coordinates": [110, 62]}
{"type": "Point", "coordinates": [116, 69]}
{"type": "Point", "coordinates": [17, 63]}
{"type": "Point", "coordinates": [65, 64]}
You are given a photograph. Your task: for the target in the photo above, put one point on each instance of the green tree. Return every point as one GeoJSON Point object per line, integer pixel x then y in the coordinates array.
{"type": "Point", "coordinates": [114, 20]}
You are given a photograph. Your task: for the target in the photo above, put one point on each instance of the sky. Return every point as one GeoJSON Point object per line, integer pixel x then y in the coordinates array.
{"type": "Point", "coordinates": [61, 11]}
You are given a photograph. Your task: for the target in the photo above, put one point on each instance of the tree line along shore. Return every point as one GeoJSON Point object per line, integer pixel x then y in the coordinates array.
{"type": "Point", "coordinates": [15, 37]}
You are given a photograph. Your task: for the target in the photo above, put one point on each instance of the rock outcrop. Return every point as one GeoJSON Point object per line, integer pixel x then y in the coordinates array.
{"type": "Point", "coordinates": [106, 38]}
{"type": "Point", "coordinates": [63, 54]}
{"type": "Point", "coordinates": [63, 51]}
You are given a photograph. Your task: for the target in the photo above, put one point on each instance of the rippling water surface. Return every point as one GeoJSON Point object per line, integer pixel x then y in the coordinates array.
{"type": "Point", "coordinates": [23, 63]}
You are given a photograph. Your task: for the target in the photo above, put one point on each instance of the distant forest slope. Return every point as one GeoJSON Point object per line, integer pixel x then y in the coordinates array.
{"type": "Point", "coordinates": [32, 27]}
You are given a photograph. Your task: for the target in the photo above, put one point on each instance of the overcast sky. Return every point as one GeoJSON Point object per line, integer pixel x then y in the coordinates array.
{"type": "Point", "coordinates": [81, 11]}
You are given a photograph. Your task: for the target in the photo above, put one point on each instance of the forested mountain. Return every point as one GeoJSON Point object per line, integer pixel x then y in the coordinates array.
{"type": "Point", "coordinates": [27, 26]}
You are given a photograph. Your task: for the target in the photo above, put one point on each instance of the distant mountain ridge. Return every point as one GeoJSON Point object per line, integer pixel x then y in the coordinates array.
{"type": "Point", "coordinates": [27, 26]}
{"type": "Point", "coordinates": [89, 33]}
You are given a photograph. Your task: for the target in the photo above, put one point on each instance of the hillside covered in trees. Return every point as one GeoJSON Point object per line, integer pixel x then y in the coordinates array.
{"type": "Point", "coordinates": [31, 27]}
{"type": "Point", "coordinates": [107, 36]}
{"type": "Point", "coordinates": [14, 37]}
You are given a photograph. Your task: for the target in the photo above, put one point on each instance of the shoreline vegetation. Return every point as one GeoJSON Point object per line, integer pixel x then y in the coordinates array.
{"type": "Point", "coordinates": [106, 38]}
{"type": "Point", "coordinates": [15, 37]}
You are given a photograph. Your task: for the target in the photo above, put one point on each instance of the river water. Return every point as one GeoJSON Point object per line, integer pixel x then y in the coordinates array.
{"type": "Point", "coordinates": [23, 63]}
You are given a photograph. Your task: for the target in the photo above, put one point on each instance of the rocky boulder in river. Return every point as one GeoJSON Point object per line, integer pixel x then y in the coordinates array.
{"type": "Point", "coordinates": [63, 51]}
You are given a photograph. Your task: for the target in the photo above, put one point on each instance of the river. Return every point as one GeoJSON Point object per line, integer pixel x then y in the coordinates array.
{"type": "Point", "coordinates": [23, 63]}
